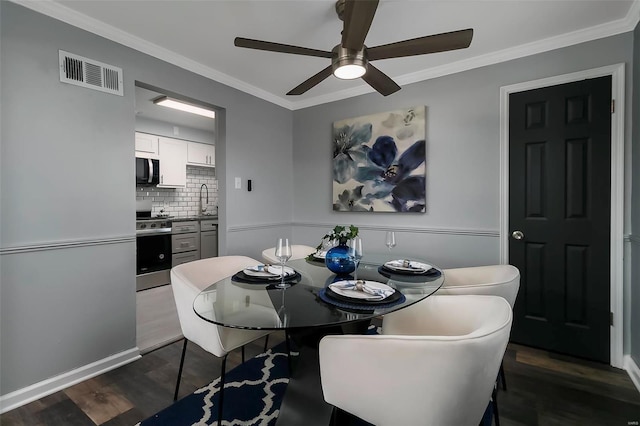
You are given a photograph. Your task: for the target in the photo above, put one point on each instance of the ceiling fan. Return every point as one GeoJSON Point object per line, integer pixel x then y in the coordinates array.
{"type": "Point", "coordinates": [351, 58]}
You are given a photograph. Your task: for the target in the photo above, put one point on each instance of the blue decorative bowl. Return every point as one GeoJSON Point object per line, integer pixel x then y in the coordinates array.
{"type": "Point", "coordinates": [338, 260]}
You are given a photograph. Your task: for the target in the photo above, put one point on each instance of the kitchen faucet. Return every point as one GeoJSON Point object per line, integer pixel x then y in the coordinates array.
{"type": "Point", "coordinates": [203, 208]}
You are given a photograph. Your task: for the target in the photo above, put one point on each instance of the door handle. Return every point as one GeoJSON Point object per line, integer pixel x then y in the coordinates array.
{"type": "Point", "coordinates": [517, 235]}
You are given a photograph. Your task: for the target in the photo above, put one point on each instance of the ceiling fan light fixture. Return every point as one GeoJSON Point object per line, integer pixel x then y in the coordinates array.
{"type": "Point", "coordinates": [184, 106]}
{"type": "Point", "coordinates": [350, 71]}
{"type": "Point", "coordinates": [348, 64]}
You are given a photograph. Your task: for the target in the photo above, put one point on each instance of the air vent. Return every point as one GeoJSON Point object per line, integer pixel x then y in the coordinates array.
{"type": "Point", "coordinates": [91, 74]}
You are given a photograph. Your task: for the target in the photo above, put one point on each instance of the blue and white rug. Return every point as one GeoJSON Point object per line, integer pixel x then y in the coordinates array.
{"type": "Point", "coordinates": [252, 396]}
{"type": "Point", "coordinates": [253, 393]}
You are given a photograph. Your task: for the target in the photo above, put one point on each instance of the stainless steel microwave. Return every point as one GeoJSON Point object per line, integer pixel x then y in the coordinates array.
{"type": "Point", "coordinates": [147, 172]}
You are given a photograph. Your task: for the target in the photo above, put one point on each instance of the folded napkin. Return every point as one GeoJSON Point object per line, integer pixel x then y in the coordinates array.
{"type": "Point", "coordinates": [277, 270]}
{"type": "Point", "coordinates": [367, 290]}
{"type": "Point", "coordinates": [408, 265]}
{"type": "Point", "coordinates": [269, 270]}
{"type": "Point", "coordinates": [321, 254]}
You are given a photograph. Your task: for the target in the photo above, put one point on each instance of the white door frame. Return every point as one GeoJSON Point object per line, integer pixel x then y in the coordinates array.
{"type": "Point", "coordinates": [617, 185]}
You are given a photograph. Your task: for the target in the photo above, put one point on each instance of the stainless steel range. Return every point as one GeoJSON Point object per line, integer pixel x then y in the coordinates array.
{"type": "Point", "coordinates": [153, 248]}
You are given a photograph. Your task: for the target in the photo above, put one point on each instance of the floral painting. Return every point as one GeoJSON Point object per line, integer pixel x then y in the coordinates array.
{"type": "Point", "coordinates": [379, 162]}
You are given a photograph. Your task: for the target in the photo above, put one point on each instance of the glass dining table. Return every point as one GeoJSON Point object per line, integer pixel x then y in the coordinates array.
{"type": "Point", "coordinates": [307, 312]}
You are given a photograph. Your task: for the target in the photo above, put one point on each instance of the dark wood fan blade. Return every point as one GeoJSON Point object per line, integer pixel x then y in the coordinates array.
{"type": "Point", "coordinates": [422, 45]}
{"type": "Point", "coordinates": [309, 83]}
{"type": "Point", "coordinates": [380, 81]}
{"type": "Point", "coordinates": [278, 47]}
{"type": "Point", "coordinates": [358, 15]}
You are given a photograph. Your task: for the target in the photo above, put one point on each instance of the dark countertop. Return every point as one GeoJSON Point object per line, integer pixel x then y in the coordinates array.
{"type": "Point", "coordinates": [192, 218]}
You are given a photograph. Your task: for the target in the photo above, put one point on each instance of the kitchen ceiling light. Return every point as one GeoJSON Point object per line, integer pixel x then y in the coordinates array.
{"type": "Point", "coordinates": [183, 106]}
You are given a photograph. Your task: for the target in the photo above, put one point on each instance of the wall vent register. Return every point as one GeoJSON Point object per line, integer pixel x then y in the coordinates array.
{"type": "Point", "coordinates": [81, 71]}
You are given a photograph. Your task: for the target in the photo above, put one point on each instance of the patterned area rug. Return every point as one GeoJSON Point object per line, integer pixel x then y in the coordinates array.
{"type": "Point", "coordinates": [252, 395]}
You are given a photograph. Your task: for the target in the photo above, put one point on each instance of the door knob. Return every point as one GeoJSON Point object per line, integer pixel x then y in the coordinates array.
{"type": "Point", "coordinates": [517, 235]}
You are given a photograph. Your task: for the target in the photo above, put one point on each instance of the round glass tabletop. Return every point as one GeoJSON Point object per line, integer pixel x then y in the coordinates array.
{"type": "Point", "coordinates": [237, 303]}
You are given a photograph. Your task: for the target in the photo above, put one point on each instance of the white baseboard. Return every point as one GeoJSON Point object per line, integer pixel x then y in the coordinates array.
{"type": "Point", "coordinates": [632, 369]}
{"type": "Point", "coordinates": [47, 387]}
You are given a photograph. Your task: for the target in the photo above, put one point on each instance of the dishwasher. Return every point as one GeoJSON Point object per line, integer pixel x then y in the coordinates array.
{"type": "Point", "coordinates": [208, 238]}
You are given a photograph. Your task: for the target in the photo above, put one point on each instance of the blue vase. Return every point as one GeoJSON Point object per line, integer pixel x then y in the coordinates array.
{"type": "Point", "coordinates": [339, 261]}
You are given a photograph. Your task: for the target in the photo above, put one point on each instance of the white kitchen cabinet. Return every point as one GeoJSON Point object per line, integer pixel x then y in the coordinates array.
{"type": "Point", "coordinates": [146, 145]}
{"type": "Point", "coordinates": [201, 154]}
{"type": "Point", "coordinates": [173, 163]}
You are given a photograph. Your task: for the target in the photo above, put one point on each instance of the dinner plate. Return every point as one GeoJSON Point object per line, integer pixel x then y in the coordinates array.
{"type": "Point", "coordinates": [414, 266]}
{"type": "Point", "coordinates": [357, 294]}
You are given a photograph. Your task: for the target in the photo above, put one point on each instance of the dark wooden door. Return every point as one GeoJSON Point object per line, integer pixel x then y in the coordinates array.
{"type": "Point", "coordinates": [560, 200]}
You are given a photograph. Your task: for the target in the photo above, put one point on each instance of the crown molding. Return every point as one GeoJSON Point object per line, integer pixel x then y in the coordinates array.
{"type": "Point", "coordinates": [65, 14]}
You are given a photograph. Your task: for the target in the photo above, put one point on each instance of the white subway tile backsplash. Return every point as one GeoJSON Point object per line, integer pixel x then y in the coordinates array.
{"type": "Point", "coordinates": [183, 202]}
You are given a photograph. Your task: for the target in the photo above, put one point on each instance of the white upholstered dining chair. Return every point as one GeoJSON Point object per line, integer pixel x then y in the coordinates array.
{"type": "Point", "coordinates": [298, 251]}
{"type": "Point", "coordinates": [187, 281]}
{"type": "Point", "coordinates": [496, 280]}
{"type": "Point", "coordinates": [435, 363]}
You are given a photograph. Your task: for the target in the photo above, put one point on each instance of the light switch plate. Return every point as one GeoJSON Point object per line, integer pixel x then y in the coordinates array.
{"type": "Point", "coordinates": [238, 183]}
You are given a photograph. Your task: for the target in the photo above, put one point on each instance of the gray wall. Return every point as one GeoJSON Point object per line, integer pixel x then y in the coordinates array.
{"type": "Point", "coordinates": [67, 246]}
{"type": "Point", "coordinates": [635, 206]}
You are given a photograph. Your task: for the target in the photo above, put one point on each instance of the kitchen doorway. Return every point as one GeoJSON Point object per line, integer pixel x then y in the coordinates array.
{"type": "Point", "coordinates": [188, 150]}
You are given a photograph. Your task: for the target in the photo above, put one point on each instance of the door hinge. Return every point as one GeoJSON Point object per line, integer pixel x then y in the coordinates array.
{"type": "Point", "coordinates": [613, 106]}
{"type": "Point", "coordinates": [611, 318]}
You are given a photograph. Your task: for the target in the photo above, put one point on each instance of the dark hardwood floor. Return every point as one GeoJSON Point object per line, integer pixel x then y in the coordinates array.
{"type": "Point", "coordinates": [542, 389]}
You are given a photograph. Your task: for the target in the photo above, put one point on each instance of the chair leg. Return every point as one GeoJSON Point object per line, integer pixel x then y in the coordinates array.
{"type": "Point", "coordinates": [334, 414]}
{"type": "Point", "coordinates": [266, 342]}
{"type": "Point", "coordinates": [502, 377]}
{"type": "Point", "coordinates": [494, 403]}
{"type": "Point", "coordinates": [221, 399]}
{"type": "Point", "coordinates": [184, 351]}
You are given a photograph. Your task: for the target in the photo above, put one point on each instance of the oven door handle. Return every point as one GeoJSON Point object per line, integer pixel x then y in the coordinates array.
{"type": "Point", "coordinates": [150, 232]}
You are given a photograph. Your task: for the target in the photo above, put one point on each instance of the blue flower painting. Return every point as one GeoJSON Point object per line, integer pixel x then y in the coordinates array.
{"type": "Point", "coordinates": [379, 162]}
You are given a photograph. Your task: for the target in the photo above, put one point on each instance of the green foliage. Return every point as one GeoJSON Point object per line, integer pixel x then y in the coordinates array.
{"type": "Point", "coordinates": [340, 233]}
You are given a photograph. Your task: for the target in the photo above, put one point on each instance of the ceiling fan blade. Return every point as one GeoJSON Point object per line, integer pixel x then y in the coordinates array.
{"type": "Point", "coordinates": [278, 47]}
{"type": "Point", "coordinates": [422, 45]}
{"type": "Point", "coordinates": [309, 83]}
{"type": "Point", "coordinates": [380, 81]}
{"type": "Point", "coordinates": [358, 15]}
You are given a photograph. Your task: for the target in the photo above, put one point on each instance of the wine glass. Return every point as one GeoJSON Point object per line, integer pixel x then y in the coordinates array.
{"type": "Point", "coordinates": [355, 252]}
{"type": "Point", "coordinates": [390, 240]}
{"type": "Point", "coordinates": [283, 253]}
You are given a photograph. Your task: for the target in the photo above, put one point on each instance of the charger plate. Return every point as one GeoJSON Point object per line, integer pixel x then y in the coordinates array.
{"type": "Point", "coordinates": [242, 277]}
{"type": "Point", "coordinates": [352, 295]}
{"type": "Point", "coordinates": [360, 305]}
